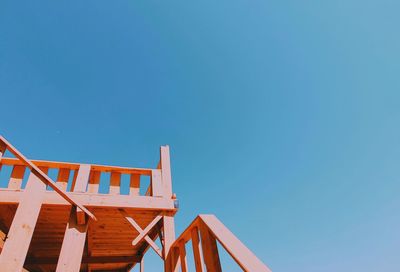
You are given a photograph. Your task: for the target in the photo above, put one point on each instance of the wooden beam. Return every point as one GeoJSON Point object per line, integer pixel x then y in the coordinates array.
{"type": "Point", "coordinates": [20, 234]}
{"type": "Point", "coordinates": [96, 200]}
{"type": "Point", "coordinates": [210, 250]}
{"type": "Point", "coordinates": [42, 176]}
{"type": "Point", "coordinates": [142, 265]}
{"type": "Point", "coordinates": [156, 183]}
{"type": "Point", "coordinates": [197, 252]}
{"type": "Point", "coordinates": [146, 230]}
{"type": "Point", "coordinates": [140, 230]}
{"type": "Point", "coordinates": [75, 233]}
{"type": "Point", "coordinates": [85, 260]}
{"type": "Point", "coordinates": [166, 171]}
{"type": "Point", "coordinates": [239, 252]}
{"type": "Point", "coordinates": [182, 256]}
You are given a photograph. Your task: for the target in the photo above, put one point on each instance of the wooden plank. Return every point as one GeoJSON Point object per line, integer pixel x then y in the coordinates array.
{"type": "Point", "coordinates": [197, 252]}
{"type": "Point", "coordinates": [239, 252]}
{"type": "Point", "coordinates": [62, 178]}
{"type": "Point", "coordinates": [140, 230]}
{"type": "Point", "coordinates": [85, 260]}
{"type": "Point", "coordinates": [182, 256]}
{"type": "Point", "coordinates": [134, 186]}
{"type": "Point", "coordinates": [146, 230]}
{"type": "Point", "coordinates": [94, 181]}
{"type": "Point", "coordinates": [75, 166]}
{"type": "Point", "coordinates": [210, 250]}
{"type": "Point", "coordinates": [100, 200]}
{"type": "Point", "coordinates": [75, 233]}
{"type": "Point", "coordinates": [166, 171]}
{"type": "Point", "coordinates": [115, 183]}
{"type": "Point", "coordinates": [42, 176]}
{"type": "Point", "coordinates": [16, 178]}
{"type": "Point", "coordinates": [169, 233]}
{"type": "Point", "coordinates": [156, 183]}
{"type": "Point", "coordinates": [142, 265]}
{"type": "Point", "coordinates": [19, 237]}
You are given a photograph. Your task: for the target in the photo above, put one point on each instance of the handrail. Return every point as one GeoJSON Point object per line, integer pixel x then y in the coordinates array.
{"type": "Point", "coordinates": [42, 176]}
{"type": "Point", "coordinates": [212, 230]}
{"type": "Point", "coordinates": [75, 166]}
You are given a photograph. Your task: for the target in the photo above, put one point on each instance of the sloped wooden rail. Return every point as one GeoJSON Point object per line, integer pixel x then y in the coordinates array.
{"type": "Point", "coordinates": [204, 232]}
{"type": "Point", "coordinates": [4, 144]}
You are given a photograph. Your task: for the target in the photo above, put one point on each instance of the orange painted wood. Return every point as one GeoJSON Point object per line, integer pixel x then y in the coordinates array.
{"type": "Point", "coordinates": [17, 175]}
{"type": "Point", "coordinates": [115, 183]}
{"type": "Point", "coordinates": [197, 252]}
{"type": "Point", "coordinates": [182, 256]}
{"type": "Point", "coordinates": [94, 181]}
{"type": "Point", "coordinates": [62, 178]}
{"type": "Point", "coordinates": [42, 176]}
{"type": "Point", "coordinates": [20, 234]}
{"type": "Point", "coordinates": [134, 186]}
{"type": "Point", "coordinates": [210, 250]}
{"type": "Point", "coordinates": [239, 252]}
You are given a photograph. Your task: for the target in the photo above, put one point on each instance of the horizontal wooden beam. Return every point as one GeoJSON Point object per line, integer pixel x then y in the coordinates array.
{"type": "Point", "coordinates": [96, 200]}
{"type": "Point", "coordinates": [75, 166]}
{"type": "Point", "coordinates": [85, 260]}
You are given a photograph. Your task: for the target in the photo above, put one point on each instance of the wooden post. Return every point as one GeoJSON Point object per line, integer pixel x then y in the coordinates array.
{"type": "Point", "coordinates": [168, 221]}
{"type": "Point", "coordinates": [197, 253]}
{"type": "Point", "coordinates": [142, 264]}
{"type": "Point", "coordinates": [16, 246]}
{"type": "Point", "coordinates": [17, 175]}
{"type": "Point", "coordinates": [210, 250]}
{"type": "Point", "coordinates": [182, 256]}
{"type": "Point", "coordinates": [75, 233]}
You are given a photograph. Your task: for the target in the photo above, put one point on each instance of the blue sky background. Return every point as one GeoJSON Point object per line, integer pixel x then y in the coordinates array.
{"type": "Point", "coordinates": [282, 116]}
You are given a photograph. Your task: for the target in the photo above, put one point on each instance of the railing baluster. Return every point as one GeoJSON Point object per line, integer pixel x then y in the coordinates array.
{"type": "Point", "coordinates": [94, 180]}
{"type": "Point", "coordinates": [17, 175]}
{"type": "Point", "coordinates": [182, 256]}
{"type": "Point", "coordinates": [210, 250]}
{"type": "Point", "coordinates": [62, 178]}
{"type": "Point", "coordinates": [115, 183]}
{"type": "Point", "coordinates": [197, 253]}
{"type": "Point", "coordinates": [134, 185]}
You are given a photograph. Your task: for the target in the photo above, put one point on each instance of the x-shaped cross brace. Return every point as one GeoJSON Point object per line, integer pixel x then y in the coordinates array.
{"type": "Point", "coordinates": [143, 234]}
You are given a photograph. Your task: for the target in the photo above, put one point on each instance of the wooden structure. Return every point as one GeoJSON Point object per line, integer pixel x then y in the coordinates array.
{"type": "Point", "coordinates": [101, 218]}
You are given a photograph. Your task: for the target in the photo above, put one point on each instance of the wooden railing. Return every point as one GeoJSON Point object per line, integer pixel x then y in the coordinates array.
{"type": "Point", "coordinates": [110, 177]}
{"type": "Point", "coordinates": [204, 232]}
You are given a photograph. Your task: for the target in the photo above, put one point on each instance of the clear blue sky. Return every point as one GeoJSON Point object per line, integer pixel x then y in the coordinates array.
{"type": "Point", "coordinates": [282, 116]}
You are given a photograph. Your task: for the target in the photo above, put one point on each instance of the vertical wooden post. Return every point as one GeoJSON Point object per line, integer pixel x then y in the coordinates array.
{"type": "Point", "coordinates": [16, 246]}
{"type": "Point", "coordinates": [75, 233]}
{"type": "Point", "coordinates": [198, 254]}
{"type": "Point", "coordinates": [182, 256]}
{"type": "Point", "coordinates": [142, 264]}
{"type": "Point", "coordinates": [168, 221]}
{"type": "Point", "coordinates": [115, 183]}
{"type": "Point", "coordinates": [17, 175]}
{"type": "Point", "coordinates": [156, 183]}
{"type": "Point", "coordinates": [134, 185]}
{"type": "Point", "coordinates": [210, 250]}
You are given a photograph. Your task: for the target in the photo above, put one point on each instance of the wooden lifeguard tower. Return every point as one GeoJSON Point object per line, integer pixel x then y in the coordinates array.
{"type": "Point", "coordinates": [70, 223]}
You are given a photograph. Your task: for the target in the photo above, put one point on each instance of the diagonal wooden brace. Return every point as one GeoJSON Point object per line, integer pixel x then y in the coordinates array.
{"type": "Point", "coordinates": [43, 177]}
{"type": "Point", "coordinates": [143, 234]}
